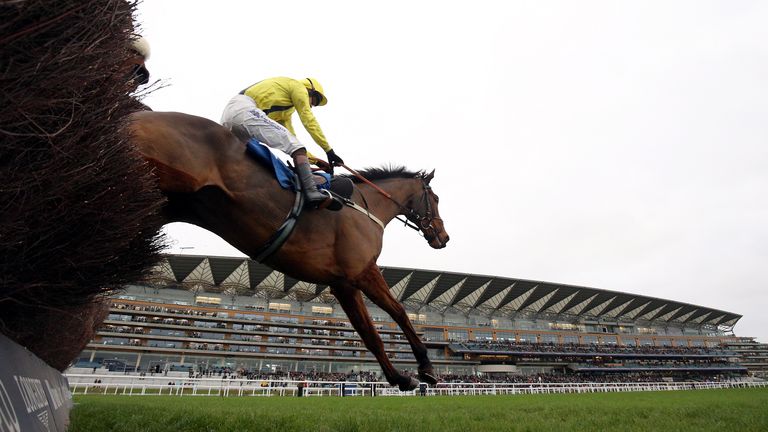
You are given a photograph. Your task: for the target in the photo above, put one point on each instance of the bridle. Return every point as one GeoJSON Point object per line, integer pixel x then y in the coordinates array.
{"type": "Point", "coordinates": [413, 219]}
{"type": "Point", "coordinates": [425, 222]}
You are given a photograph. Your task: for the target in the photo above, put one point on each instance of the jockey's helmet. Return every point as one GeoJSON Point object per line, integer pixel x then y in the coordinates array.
{"type": "Point", "coordinates": [314, 85]}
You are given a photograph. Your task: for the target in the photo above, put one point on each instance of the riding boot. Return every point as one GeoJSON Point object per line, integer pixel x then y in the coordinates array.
{"type": "Point", "coordinates": [314, 196]}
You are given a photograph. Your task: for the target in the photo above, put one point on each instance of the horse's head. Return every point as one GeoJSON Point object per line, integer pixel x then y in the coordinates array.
{"type": "Point", "coordinates": [425, 214]}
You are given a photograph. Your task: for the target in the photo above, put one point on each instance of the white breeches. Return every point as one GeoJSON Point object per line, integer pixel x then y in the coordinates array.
{"type": "Point", "coordinates": [241, 112]}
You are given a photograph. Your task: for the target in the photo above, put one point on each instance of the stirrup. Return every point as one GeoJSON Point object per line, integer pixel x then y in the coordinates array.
{"type": "Point", "coordinates": [330, 202]}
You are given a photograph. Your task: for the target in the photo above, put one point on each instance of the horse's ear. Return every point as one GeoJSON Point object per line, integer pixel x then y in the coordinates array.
{"type": "Point", "coordinates": [429, 176]}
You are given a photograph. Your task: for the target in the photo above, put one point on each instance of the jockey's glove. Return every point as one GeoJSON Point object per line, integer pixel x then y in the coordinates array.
{"type": "Point", "coordinates": [333, 158]}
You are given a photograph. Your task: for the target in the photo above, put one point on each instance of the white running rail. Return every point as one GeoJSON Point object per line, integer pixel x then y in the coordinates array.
{"type": "Point", "coordinates": [131, 385]}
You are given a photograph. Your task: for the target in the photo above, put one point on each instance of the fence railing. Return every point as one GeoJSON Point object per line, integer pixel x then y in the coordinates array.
{"type": "Point", "coordinates": [83, 384]}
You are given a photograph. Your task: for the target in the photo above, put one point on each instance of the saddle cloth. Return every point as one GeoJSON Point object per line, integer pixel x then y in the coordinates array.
{"type": "Point", "coordinates": [284, 174]}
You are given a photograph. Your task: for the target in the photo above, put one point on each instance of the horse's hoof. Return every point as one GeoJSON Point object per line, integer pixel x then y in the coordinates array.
{"type": "Point", "coordinates": [411, 384]}
{"type": "Point", "coordinates": [428, 377]}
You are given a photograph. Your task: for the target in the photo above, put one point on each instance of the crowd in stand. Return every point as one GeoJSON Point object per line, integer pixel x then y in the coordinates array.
{"type": "Point", "coordinates": [582, 378]}
{"type": "Point", "coordinates": [247, 374]}
{"type": "Point", "coordinates": [556, 376]}
{"type": "Point", "coordinates": [539, 378]}
{"type": "Point", "coordinates": [551, 378]}
{"type": "Point", "coordinates": [513, 346]}
{"type": "Point", "coordinates": [668, 364]}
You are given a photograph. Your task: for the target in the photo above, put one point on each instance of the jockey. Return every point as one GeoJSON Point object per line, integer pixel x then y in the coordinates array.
{"type": "Point", "coordinates": [263, 111]}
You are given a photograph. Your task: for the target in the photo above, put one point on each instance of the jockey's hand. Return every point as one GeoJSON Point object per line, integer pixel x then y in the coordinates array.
{"type": "Point", "coordinates": [325, 166]}
{"type": "Point", "coordinates": [333, 158]}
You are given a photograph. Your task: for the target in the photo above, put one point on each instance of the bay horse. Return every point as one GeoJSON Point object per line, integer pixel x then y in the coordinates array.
{"type": "Point", "coordinates": [211, 182]}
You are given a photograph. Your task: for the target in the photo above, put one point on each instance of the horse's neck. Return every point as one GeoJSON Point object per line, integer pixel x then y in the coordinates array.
{"type": "Point", "coordinates": [401, 191]}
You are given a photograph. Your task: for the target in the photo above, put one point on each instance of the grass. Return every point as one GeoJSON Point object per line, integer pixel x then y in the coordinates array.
{"type": "Point", "coordinates": [697, 410]}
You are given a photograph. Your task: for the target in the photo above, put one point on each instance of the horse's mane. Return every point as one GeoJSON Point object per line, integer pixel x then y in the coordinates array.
{"type": "Point", "coordinates": [384, 172]}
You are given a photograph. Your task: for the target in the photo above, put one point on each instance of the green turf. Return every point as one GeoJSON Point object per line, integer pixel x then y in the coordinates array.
{"type": "Point", "coordinates": [699, 410]}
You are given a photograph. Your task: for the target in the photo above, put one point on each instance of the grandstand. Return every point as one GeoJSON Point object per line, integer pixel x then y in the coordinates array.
{"type": "Point", "coordinates": [753, 355]}
{"type": "Point", "coordinates": [202, 315]}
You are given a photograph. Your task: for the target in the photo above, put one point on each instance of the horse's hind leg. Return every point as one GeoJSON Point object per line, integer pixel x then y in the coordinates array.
{"type": "Point", "coordinates": [352, 303]}
{"type": "Point", "coordinates": [372, 283]}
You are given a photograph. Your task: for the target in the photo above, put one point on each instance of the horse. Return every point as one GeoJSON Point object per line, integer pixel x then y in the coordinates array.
{"type": "Point", "coordinates": [209, 181]}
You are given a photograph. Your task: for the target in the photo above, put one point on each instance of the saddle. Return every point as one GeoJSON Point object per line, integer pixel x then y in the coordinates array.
{"type": "Point", "coordinates": [284, 174]}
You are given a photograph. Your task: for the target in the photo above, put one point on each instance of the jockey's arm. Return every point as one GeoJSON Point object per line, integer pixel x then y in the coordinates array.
{"type": "Point", "coordinates": [300, 100]}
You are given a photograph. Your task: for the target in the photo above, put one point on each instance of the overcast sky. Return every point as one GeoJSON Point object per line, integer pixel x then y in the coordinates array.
{"type": "Point", "coordinates": [616, 145]}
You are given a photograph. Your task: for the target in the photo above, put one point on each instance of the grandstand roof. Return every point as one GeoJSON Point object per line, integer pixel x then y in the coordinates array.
{"type": "Point", "coordinates": [492, 296]}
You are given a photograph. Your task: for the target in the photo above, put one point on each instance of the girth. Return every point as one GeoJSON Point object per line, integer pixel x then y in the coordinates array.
{"type": "Point", "coordinates": [280, 236]}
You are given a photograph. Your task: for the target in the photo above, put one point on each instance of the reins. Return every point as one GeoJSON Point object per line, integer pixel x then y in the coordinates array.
{"type": "Point", "coordinates": [406, 222]}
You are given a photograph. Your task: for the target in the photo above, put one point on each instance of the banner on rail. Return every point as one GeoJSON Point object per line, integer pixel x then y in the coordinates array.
{"type": "Point", "coordinates": [33, 395]}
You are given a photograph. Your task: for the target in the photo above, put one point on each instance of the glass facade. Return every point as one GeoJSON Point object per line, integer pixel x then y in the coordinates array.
{"type": "Point", "coordinates": [628, 341]}
{"type": "Point", "coordinates": [483, 335]}
{"type": "Point", "coordinates": [549, 338]}
{"type": "Point", "coordinates": [570, 339]}
{"type": "Point", "coordinates": [434, 334]}
{"type": "Point", "coordinates": [458, 334]}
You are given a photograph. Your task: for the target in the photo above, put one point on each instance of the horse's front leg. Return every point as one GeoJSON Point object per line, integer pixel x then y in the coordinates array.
{"type": "Point", "coordinates": [372, 283]}
{"type": "Point", "coordinates": [352, 303]}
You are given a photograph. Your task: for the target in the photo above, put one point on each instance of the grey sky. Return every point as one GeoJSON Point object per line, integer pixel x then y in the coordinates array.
{"type": "Point", "coordinates": [617, 145]}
